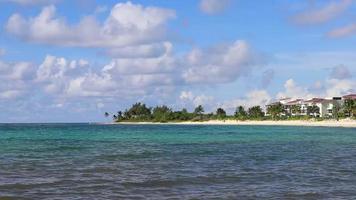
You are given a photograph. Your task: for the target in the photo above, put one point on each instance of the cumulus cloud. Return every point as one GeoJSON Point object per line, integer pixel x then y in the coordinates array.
{"type": "Point", "coordinates": [293, 90]}
{"type": "Point", "coordinates": [221, 64]}
{"type": "Point", "coordinates": [337, 87]}
{"type": "Point", "coordinates": [213, 6]}
{"type": "Point", "coordinates": [55, 73]}
{"type": "Point", "coordinates": [340, 72]}
{"type": "Point", "coordinates": [189, 99]}
{"type": "Point", "coordinates": [252, 98]}
{"type": "Point", "coordinates": [141, 51]}
{"type": "Point", "coordinates": [323, 14]}
{"type": "Point", "coordinates": [326, 89]}
{"type": "Point", "coordinates": [127, 24]}
{"type": "Point", "coordinates": [15, 79]}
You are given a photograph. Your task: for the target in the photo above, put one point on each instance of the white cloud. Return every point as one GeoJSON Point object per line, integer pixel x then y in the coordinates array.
{"type": "Point", "coordinates": [323, 14]}
{"type": "Point", "coordinates": [337, 87]}
{"type": "Point", "coordinates": [344, 31]}
{"type": "Point", "coordinates": [340, 72]}
{"type": "Point", "coordinates": [127, 24]}
{"type": "Point", "coordinates": [160, 64]}
{"type": "Point", "coordinates": [141, 51]}
{"type": "Point", "coordinates": [252, 98]}
{"type": "Point", "coordinates": [55, 73]}
{"type": "Point", "coordinates": [15, 79]}
{"type": "Point", "coordinates": [293, 90]}
{"type": "Point", "coordinates": [220, 64]}
{"type": "Point", "coordinates": [326, 89]}
{"type": "Point", "coordinates": [213, 6]}
{"type": "Point", "coordinates": [188, 99]}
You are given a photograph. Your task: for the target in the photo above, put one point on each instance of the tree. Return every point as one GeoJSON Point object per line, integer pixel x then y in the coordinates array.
{"type": "Point", "coordinates": [162, 113]}
{"type": "Point", "coordinates": [240, 112]}
{"type": "Point", "coordinates": [183, 115]}
{"type": "Point", "coordinates": [119, 116]}
{"type": "Point", "coordinates": [199, 110]}
{"type": "Point", "coordinates": [138, 111]}
{"type": "Point", "coordinates": [350, 107]}
{"type": "Point", "coordinates": [255, 112]}
{"type": "Point", "coordinates": [313, 110]}
{"type": "Point", "coordinates": [106, 114]}
{"type": "Point", "coordinates": [275, 110]}
{"type": "Point", "coordinates": [220, 113]}
{"type": "Point", "coordinates": [336, 110]}
{"type": "Point", "coordinates": [296, 109]}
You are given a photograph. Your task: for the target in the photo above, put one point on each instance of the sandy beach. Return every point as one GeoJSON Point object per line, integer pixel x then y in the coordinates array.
{"type": "Point", "coordinates": [325, 123]}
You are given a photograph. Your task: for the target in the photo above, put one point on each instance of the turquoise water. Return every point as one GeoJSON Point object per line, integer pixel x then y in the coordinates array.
{"type": "Point", "coordinates": [81, 161]}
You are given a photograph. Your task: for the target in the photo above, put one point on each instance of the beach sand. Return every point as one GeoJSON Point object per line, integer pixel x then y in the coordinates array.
{"type": "Point", "coordinates": [324, 123]}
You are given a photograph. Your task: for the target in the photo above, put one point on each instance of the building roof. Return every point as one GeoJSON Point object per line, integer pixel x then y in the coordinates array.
{"type": "Point", "coordinates": [273, 103]}
{"type": "Point", "coordinates": [350, 96]}
{"type": "Point", "coordinates": [315, 100]}
{"type": "Point", "coordinates": [294, 102]}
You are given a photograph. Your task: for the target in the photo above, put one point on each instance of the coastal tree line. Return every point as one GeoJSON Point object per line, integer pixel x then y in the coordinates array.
{"type": "Point", "coordinates": [141, 112]}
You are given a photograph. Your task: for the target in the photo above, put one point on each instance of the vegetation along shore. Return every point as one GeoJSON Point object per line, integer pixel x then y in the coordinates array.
{"type": "Point", "coordinates": [344, 114]}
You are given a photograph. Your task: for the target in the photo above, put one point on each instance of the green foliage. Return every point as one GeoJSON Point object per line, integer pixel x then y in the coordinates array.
{"type": "Point", "coordinates": [162, 114]}
{"type": "Point", "coordinates": [313, 110]}
{"type": "Point", "coordinates": [199, 110]}
{"type": "Point", "coordinates": [350, 107]}
{"type": "Point", "coordinates": [275, 110]}
{"type": "Point", "coordinates": [337, 110]}
{"type": "Point", "coordinates": [255, 112]}
{"type": "Point", "coordinates": [240, 113]}
{"type": "Point", "coordinates": [138, 111]}
{"type": "Point", "coordinates": [220, 113]}
{"type": "Point", "coordinates": [296, 109]}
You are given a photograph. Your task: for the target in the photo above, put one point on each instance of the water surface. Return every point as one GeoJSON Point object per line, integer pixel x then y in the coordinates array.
{"type": "Point", "coordinates": [82, 161]}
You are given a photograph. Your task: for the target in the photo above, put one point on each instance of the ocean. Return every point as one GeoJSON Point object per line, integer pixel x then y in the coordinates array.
{"type": "Point", "coordinates": [86, 161]}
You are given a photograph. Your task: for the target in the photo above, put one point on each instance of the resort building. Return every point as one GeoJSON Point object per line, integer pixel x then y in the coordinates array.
{"type": "Point", "coordinates": [317, 107]}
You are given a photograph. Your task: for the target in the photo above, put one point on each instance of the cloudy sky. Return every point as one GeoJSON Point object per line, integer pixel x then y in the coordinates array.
{"type": "Point", "coordinates": [72, 60]}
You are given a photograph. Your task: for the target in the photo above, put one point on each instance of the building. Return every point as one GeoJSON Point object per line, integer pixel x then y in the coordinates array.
{"type": "Point", "coordinates": [317, 107]}
{"type": "Point", "coordinates": [350, 96]}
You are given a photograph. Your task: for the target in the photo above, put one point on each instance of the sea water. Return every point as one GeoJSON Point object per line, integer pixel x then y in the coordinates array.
{"type": "Point", "coordinates": [84, 161]}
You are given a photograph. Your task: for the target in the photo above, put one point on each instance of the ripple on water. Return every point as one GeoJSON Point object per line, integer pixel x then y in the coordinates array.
{"type": "Point", "coordinates": [176, 162]}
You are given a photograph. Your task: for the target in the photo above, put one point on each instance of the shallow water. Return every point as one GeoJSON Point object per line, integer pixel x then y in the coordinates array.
{"type": "Point", "coordinates": [81, 161]}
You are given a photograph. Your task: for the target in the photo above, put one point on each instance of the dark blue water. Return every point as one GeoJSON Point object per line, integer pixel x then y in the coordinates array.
{"type": "Point", "coordinates": [79, 161]}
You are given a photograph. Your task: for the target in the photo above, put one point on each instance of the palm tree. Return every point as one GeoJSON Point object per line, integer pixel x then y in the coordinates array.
{"type": "Point", "coordinates": [240, 112]}
{"type": "Point", "coordinates": [221, 113]}
{"type": "Point", "coordinates": [199, 110]}
{"type": "Point", "coordinates": [106, 114]}
{"type": "Point", "coordinates": [255, 112]}
{"type": "Point", "coordinates": [296, 109]}
{"type": "Point", "coordinates": [275, 110]}
{"type": "Point", "coordinates": [349, 106]}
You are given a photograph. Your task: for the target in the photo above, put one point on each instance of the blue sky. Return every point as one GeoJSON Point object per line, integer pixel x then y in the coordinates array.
{"type": "Point", "coordinates": [70, 61]}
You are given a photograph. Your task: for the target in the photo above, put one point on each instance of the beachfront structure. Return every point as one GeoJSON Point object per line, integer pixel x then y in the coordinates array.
{"type": "Point", "coordinates": [317, 107]}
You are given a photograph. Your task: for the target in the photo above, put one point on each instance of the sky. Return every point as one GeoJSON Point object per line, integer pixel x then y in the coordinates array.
{"type": "Point", "coordinates": [73, 60]}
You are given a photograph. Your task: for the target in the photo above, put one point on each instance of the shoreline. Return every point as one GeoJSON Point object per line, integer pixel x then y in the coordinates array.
{"type": "Point", "coordinates": [347, 123]}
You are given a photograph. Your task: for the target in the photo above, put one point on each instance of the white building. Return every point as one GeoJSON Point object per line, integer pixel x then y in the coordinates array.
{"type": "Point", "coordinates": [325, 106]}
